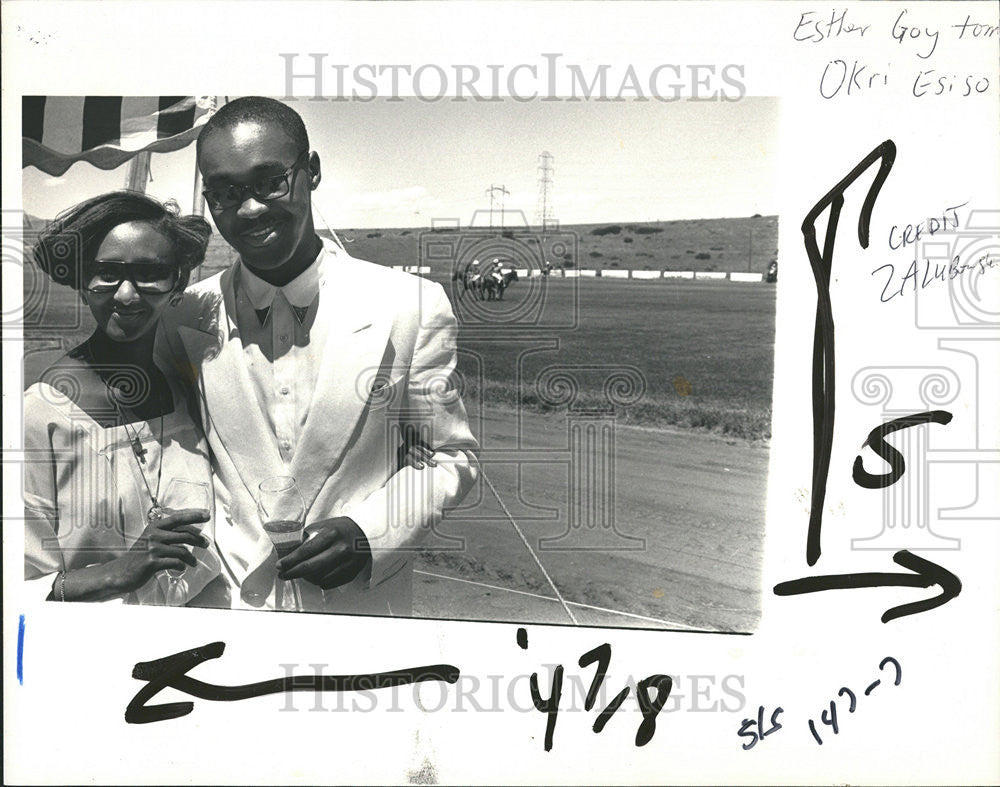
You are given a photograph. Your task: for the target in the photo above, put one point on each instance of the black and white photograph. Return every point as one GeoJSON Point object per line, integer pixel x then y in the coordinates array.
{"type": "Point", "coordinates": [480, 392]}
{"type": "Point", "coordinates": [489, 361]}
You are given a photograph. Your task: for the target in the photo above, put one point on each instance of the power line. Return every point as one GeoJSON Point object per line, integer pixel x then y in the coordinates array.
{"type": "Point", "coordinates": [492, 191]}
{"type": "Point", "coordinates": [545, 210]}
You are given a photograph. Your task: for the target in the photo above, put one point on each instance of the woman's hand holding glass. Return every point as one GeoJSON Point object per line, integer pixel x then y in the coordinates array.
{"type": "Point", "coordinates": [165, 544]}
{"type": "Point", "coordinates": [183, 495]}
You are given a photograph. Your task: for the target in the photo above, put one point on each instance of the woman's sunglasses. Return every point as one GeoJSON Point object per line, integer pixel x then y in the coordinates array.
{"type": "Point", "coordinates": [151, 277]}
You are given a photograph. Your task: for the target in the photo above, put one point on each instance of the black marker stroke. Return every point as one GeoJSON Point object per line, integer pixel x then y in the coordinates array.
{"type": "Point", "coordinates": [823, 397]}
{"type": "Point", "coordinates": [549, 706]}
{"type": "Point", "coordinates": [171, 671]}
{"type": "Point", "coordinates": [610, 710]}
{"type": "Point", "coordinates": [651, 707]}
{"type": "Point", "coordinates": [602, 655]}
{"type": "Point", "coordinates": [925, 574]}
{"type": "Point", "coordinates": [892, 457]}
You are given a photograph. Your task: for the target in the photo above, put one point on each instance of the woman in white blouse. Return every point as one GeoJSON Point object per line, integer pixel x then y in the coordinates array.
{"type": "Point", "coordinates": [118, 487]}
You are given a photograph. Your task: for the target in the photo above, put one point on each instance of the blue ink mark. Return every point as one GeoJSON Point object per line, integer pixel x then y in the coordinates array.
{"type": "Point", "coordinates": [20, 651]}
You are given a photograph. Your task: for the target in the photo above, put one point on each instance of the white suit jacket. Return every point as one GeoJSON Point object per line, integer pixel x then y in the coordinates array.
{"type": "Point", "coordinates": [389, 361]}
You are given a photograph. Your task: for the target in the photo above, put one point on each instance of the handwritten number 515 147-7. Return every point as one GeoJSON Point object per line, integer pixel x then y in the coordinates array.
{"type": "Point", "coordinates": [755, 731]}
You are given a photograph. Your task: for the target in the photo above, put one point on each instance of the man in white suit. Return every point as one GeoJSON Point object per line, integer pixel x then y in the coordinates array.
{"type": "Point", "coordinates": [312, 364]}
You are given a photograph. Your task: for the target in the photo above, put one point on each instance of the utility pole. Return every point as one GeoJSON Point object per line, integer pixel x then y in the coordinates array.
{"type": "Point", "coordinates": [197, 198]}
{"type": "Point", "coordinates": [545, 210]}
{"type": "Point", "coordinates": [138, 172]}
{"type": "Point", "coordinates": [492, 191]}
{"type": "Point", "coordinates": [750, 250]}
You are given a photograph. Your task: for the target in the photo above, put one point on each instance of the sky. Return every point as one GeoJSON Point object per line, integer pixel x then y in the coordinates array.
{"type": "Point", "coordinates": [407, 162]}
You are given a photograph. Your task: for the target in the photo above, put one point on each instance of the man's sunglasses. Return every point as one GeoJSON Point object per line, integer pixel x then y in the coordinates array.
{"type": "Point", "coordinates": [150, 277]}
{"type": "Point", "coordinates": [268, 188]}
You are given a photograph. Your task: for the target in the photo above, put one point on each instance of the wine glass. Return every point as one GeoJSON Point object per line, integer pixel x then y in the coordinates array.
{"type": "Point", "coordinates": [282, 514]}
{"type": "Point", "coordinates": [185, 494]}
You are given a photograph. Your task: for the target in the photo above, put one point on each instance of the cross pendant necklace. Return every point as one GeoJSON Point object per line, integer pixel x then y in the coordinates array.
{"type": "Point", "coordinates": [139, 453]}
{"type": "Point", "coordinates": [138, 449]}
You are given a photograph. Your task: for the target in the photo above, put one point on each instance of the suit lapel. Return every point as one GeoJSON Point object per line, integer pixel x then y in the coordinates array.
{"type": "Point", "coordinates": [355, 349]}
{"type": "Point", "coordinates": [356, 355]}
{"type": "Point", "coordinates": [229, 399]}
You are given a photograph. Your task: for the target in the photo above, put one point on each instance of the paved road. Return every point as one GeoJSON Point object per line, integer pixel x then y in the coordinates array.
{"type": "Point", "coordinates": [685, 550]}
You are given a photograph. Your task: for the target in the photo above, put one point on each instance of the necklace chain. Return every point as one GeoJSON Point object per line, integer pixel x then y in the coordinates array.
{"type": "Point", "coordinates": [138, 454]}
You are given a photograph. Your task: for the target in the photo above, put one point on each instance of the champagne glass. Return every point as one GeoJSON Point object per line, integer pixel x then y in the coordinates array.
{"type": "Point", "coordinates": [282, 514]}
{"type": "Point", "coordinates": [185, 494]}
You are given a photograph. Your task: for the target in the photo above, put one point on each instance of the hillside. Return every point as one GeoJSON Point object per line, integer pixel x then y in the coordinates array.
{"type": "Point", "coordinates": [699, 245]}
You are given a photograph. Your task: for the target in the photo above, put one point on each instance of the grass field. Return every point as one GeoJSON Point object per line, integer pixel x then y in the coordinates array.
{"type": "Point", "coordinates": [702, 350]}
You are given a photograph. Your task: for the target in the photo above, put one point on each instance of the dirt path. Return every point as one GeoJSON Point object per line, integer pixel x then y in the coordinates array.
{"type": "Point", "coordinates": [697, 501]}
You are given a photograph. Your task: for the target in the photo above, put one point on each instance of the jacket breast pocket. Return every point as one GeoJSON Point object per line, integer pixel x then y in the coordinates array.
{"type": "Point", "coordinates": [385, 392]}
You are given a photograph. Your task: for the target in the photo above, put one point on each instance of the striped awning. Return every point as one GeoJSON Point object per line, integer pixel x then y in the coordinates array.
{"type": "Point", "coordinates": [106, 131]}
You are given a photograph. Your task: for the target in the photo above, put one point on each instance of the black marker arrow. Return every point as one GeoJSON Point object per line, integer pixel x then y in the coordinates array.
{"type": "Point", "coordinates": [823, 393]}
{"type": "Point", "coordinates": [925, 574]}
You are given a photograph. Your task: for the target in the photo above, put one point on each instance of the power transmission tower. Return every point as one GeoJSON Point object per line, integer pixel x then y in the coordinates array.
{"type": "Point", "coordinates": [492, 191]}
{"type": "Point", "coordinates": [545, 210]}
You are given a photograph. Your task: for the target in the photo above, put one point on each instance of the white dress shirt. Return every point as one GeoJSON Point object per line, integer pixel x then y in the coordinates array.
{"type": "Point", "coordinates": [283, 345]}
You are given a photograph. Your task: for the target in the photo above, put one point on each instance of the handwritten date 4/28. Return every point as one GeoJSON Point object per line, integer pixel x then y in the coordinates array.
{"type": "Point", "coordinates": [601, 656]}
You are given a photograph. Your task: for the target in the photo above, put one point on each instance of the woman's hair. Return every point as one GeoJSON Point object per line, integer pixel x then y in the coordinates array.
{"type": "Point", "coordinates": [70, 243]}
